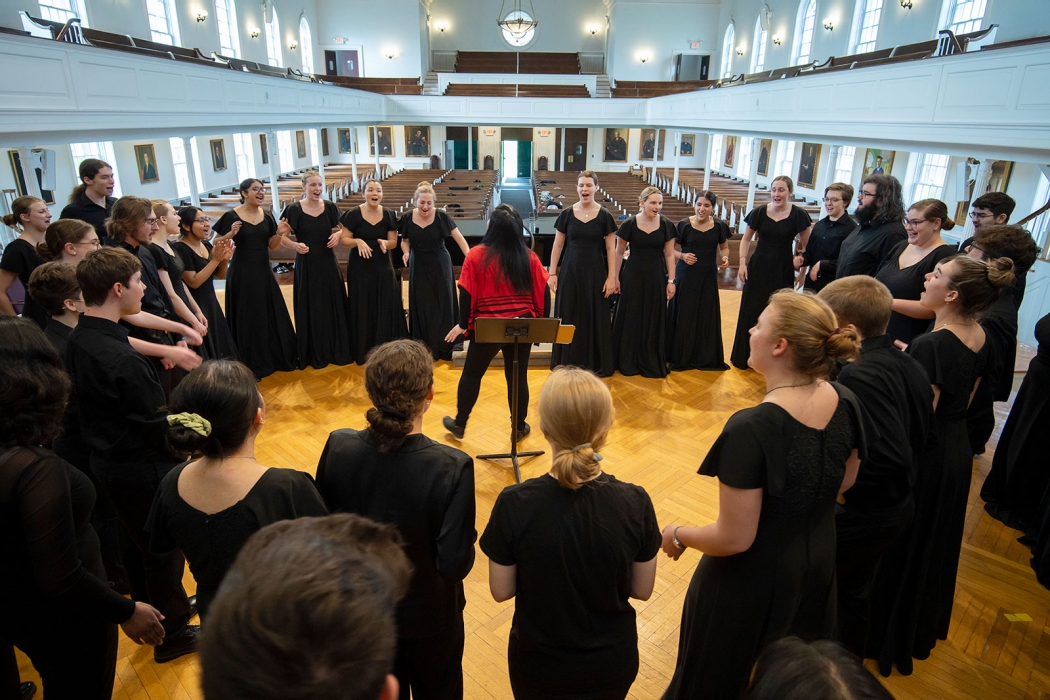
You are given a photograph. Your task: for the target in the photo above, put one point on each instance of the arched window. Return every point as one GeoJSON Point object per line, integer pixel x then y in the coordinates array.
{"type": "Point", "coordinates": [63, 10]}
{"type": "Point", "coordinates": [226, 21]}
{"type": "Point", "coordinates": [306, 46]}
{"type": "Point", "coordinates": [962, 16]}
{"type": "Point", "coordinates": [804, 24]}
{"type": "Point", "coordinates": [758, 49]}
{"type": "Point", "coordinates": [727, 51]}
{"type": "Point", "coordinates": [273, 40]}
{"type": "Point", "coordinates": [866, 25]}
{"type": "Point", "coordinates": [163, 25]}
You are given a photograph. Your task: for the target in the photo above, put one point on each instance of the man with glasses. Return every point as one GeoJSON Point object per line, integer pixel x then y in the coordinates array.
{"type": "Point", "coordinates": [990, 209]}
{"type": "Point", "coordinates": [822, 252]}
{"type": "Point", "coordinates": [880, 212]}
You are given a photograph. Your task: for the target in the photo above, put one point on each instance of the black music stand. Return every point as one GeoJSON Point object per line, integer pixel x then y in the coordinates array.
{"type": "Point", "coordinates": [522, 330]}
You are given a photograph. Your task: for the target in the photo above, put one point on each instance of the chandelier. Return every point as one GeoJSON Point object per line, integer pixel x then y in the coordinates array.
{"type": "Point", "coordinates": [517, 22]}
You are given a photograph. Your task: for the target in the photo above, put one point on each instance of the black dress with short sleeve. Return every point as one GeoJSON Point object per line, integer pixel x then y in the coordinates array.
{"type": "Point", "coordinates": [255, 308]}
{"type": "Point", "coordinates": [375, 314]}
{"type": "Point", "coordinates": [218, 341]}
{"type": "Point", "coordinates": [579, 300]}
{"type": "Point", "coordinates": [908, 283]}
{"type": "Point", "coordinates": [915, 586]}
{"type": "Point", "coordinates": [784, 583]}
{"type": "Point", "coordinates": [769, 268]}
{"type": "Point", "coordinates": [694, 317]}
{"type": "Point", "coordinates": [211, 541]}
{"type": "Point", "coordinates": [433, 305]}
{"type": "Point", "coordinates": [640, 322]}
{"type": "Point", "coordinates": [318, 295]}
{"type": "Point", "coordinates": [20, 257]}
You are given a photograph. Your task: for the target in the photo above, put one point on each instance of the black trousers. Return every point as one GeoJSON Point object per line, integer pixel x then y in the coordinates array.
{"type": "Point", "coordinates": [479, 355]}
{"type": "Point", "coordinates": [431, 668]}
{"type": "Point", "coordinates": [76, 657]}
{"type": "Point", "coordinates": [861, 539]}
{"type": "Point", "coordinates": [131, 485]}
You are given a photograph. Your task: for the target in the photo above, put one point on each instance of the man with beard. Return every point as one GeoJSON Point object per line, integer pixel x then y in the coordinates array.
{"type": "Point", "coordinates": [880, 211]}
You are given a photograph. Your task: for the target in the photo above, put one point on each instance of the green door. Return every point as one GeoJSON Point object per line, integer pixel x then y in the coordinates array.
{"type": "Point", "coordinates": [524, 159]}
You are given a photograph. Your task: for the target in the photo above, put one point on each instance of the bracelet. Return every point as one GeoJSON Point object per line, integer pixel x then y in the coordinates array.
{"type": "Point", "coordinates": [674, 538]}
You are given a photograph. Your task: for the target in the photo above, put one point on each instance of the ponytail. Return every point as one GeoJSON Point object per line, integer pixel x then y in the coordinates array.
{"type": "Point", "coordinates": [576, 412]}
{"type": "Point", "coordinates": [88, 169]}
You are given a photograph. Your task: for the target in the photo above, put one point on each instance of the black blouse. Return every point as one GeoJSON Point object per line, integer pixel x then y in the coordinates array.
{"type": "Point", "coordinates": [20, 257]}
{"type": "Point", "coordinates": [909, 283]}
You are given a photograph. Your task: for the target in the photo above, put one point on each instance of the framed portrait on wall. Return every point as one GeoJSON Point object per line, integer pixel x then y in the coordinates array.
{"type": "Point", "coordinates": [877, 161]}
{"type": "Point", "coordinates": [729, 155]}
{"type": "Point", "coordinates": [386, 140]}
{"type": "Point", "coordinates": [417, 141]}
{"type": "Point", "coordinates": [324, 142]}
{"type": "Point", "coordinates": [146, 163]}
{"type": "Point", "coordinates": [346, 141]}
{"type": "Point", "coordinates": [218, 154]}
{"type": "Point", "coordinates": [688, 144]}
{"type": "Point", "coordinates": [649, 145]}
{"type": "Point", "coordinates": [300, 143]}
{"type": "Point", "coordinates": [615, 146]}
{"type": "Point", "coordinates": [999, 176]}
{"type": "Point", "coordinates": [20, 178]}
{"type": "Point", "coordinates": [264, 147]}
{"type": "Point", "coordinates": [765, 147]}
{"type": "Point", "coordinates": [808, 162]}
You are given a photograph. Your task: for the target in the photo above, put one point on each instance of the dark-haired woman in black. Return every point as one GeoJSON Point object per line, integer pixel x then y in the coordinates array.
{"type": "Point", "coordinates": [255, 307]}
{"type": "Point", "coordinates": [209, 507]}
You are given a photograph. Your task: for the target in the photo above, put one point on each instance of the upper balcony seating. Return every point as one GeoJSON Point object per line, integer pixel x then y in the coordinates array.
{"type": "Point", "coordinates": [517, 62]}
{"type": "Point", "coordinates": [382, 86]}
{"type": "Point", "coordinates": [523, 90]}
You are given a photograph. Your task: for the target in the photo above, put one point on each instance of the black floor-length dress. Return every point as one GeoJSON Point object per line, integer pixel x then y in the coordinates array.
{"type": "Point", "coordinates": [318, 297]}
{"type": "Point", "coordinates": [694, 317]}
{"type": "Point", "coordinates": [433, 305]}
{"type": "Point", "coordinates": [909, 283]}
{"type": "Point", "coordinates": [915, 587]}
{"type": "Point", "coordinates": [255, 308]}
{"type": "Point", "coordinates": [218, 341]}
{"type": "Point", "coordinates": [376, 314]}
{"type": "Point", "coordinates": [769, 268]}
{"type": "Point", "coordinates": [784, 583]}
{"type": "Point", "coordinates": [579, 300]}
{"type": "Point", "coordinates": [640, 323]}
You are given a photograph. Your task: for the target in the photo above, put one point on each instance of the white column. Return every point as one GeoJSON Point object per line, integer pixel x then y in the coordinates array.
{"type": "Point", "coordinates": [320, 160]}
{"type": "Point", "coordinates": [25, 155]}
{"type": "Point", "coordinates": [827, 175]}
{"type": "Point", "coordinates": [187, 149]}
{"type": "Point", "coordinates": [752, 183]}
{"type": "Point", "coordinates": [375, 145]}
{"type": "Point", "coordinates": [470, 149]}
{"type": "Point", "coordinates": [656, 153]}
{"type": "Point", "coordinates": [707, 159]}
{"type": "Point", "coordinates": [677, 156]}
{"type": "Point", "coordinates": [984, 173]}
{"type": "Point", "coordinates": [271, 143]}
{"type": "Point", "coordinates": [564, 149]}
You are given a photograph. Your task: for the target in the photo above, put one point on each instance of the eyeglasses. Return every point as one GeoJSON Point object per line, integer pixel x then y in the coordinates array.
{"type": "Point", "coordinates": [153, 222]}
{"type": "Point", "coordinates": [202, 221]}
{"type": "Point", "coordinates": [866, 194]}
{"type": "Point", "coordinates": [980, 215]}
{"type": "Point", "coordinates": [94, 243]}
{"type": "Point", "coordinates": [913, 222]}
{"type": "Point", "coordinates": [256, 189]}
{"type": "Point", "coordinates": [831, 200]}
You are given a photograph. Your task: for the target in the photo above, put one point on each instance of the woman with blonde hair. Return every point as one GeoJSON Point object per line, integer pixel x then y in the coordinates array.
{"type": "Point", "coordinates": [768, 569]}
{"type": "Point", "coordinates": [170, 266]}
{"type": "Point", "coordinates": [572, 546]}
{"type": "Point", "coordinates": [432, 304]}
{"type": "Point", "coordinates": [30, 217]}
{"type": "Point", "coordinates": [318, 294]}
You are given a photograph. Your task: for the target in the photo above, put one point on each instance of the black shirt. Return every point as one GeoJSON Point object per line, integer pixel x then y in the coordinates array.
{"type": "Point", "coordinates": [825, 240]}
{"type": "Point", "coordinates": [895, 391]}
{"type": "Point", "coordinates": [84, 209]}
{"type": "Point", "coordinates": [155, 299]}
{"type": "Point", "coordinates": [863, 252]}
{"type": "Point", "coordinates": [573, 550]}
{"type": "Point", "coordinates": [427, 490]}
{"type": "Point", "coordinates": [20, 257]}
{"type": "Point", "coordinates": [58, 333]}
{"type": "Point", "coordinates": [116, 389]}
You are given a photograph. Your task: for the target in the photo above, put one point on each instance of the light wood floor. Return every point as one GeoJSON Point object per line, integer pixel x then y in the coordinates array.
{"type": "Point", "coordinates": [662, 431]}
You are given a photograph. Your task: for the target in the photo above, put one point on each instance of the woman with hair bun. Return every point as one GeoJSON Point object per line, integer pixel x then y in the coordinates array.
{"type": "Point", "coordinates": [905, 268]}
{"type": "Point", "coordinates": [393, 473]}
{"type": "Point", "coordinates": [68, 241]}
{"type": "Point", "coordinates": [432, 305]}
{"type": "Point", "coordinates": [793, 669]}
{"type": "Point", "coordinates": [30, 217]}
{"type": "Point", "coordinates": [318, 297]}
{"type": "Point", "coordinates": [768, 569]}
{"type": "Point", "coordinates": [202, 264]}
{"type": "Point", "coordinates": [571, 547]}
{"type": "Point", "coordinates": [255, 308]}
{"type": "Point", "coordinates": [209, 506]}
{"type": "Point", "coordinates": [915, 587]}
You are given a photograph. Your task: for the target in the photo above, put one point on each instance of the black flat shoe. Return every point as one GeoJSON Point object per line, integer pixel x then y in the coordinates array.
{"type": "Point", "coordinates": [452, 427]}
{"type": "Point", "coordinates": [524, 431]}
{"type": "Point", "coordinates": [193, 605]}
{"type": "Point", "coordinates": [181, 644]}
{"type": "Point", "coordinates": [27, 690]}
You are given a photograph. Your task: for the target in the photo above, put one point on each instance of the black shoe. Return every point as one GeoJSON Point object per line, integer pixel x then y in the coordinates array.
{"type": "Point", "coordinates": [28, 690]}
{"type": "Point", "coordinates": [524, 431]}
{"type": "Point", "coordinates": [193, 605]}
{"type": "Point", "coordinates": [181, 644]}
{"type": "Point", "coordinates": [454, 428]}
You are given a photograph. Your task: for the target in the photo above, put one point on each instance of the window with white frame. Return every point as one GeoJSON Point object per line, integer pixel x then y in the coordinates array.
{"type": "Point", "coordinates": [844, 165]}
{"type": "Point", "coordinates": [743, 165]}
{"type": "Point", "coordinates": [226, 21]}
{"type": "Point", "coordinates": [306, 46]}
{"type": "Point", "coordinates": [804, 25]}
{"type": "Point", "coordinates": [758, 50]}
{"type": "Point", "coordinates": [785, 158]}
{"type": "Point", "coordinates": [102, 150]}
{"type": "Point", "coordinates": [273, 41]}
{"type": "Point", "coordinates": [716, 151]}
{"type": "Point", "coordinates": [244, 155]}
{"type": "Point", "coordinates": [1040, 225]}
{"type": "Point", "coordinates": [727, 51]}
{"type": "Point", "coordinates": [284, 151]}
{"type": "Point", "coordinates": [315, 150]}
{"type": "Point", "coordinates": [182, 172]}
{"type": "Point", "coordinates": [63, 10]}
{"type": "Point", "coordinates": [867, 25]}
{"type": "Point", "coordinates": [163, 24]}
{"type": "Point", "coordinates": [964, 16]}
{"type": "Point", "coordinates": [930, 176]}
{"type": "Point", "coordinates": [196, 156]}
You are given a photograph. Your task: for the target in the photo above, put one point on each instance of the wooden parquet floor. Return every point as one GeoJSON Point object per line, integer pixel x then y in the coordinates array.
{"type": "Point", "coordinates": [663, 430]}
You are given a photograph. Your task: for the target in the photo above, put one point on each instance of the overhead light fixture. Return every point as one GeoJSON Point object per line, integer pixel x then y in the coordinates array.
{"type": "Point", "coordinates": [517, 22]}
{"type": "Point", "coordinates": [254, 33]}
{"type": "Point", "coordinates": [829, 25]}
{"type": "Point", "coordinates": [202, 15]}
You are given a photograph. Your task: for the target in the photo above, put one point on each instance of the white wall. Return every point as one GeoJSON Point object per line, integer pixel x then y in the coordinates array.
{"type": "Point", "coordinates": [393, 26]}
{"type": "Point", "coordinates": [472, 26]}
{"type": "Point", "coordinates": [659, 29]}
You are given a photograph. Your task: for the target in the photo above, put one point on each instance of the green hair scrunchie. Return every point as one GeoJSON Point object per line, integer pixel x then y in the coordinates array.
{"type": "Point", "coordinates": [196, 423]}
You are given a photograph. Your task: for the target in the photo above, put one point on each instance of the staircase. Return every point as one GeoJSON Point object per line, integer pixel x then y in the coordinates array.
{"type": "Point", "coordinates": [430, 83]}
{"type": "Point", "coordinates": [603, 88]}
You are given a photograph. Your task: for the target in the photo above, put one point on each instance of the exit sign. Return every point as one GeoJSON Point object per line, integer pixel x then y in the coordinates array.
{"type": "Point", "coordinates": [694, 45]}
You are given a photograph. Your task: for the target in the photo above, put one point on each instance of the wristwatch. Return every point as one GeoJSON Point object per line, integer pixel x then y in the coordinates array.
{"type": "Point", "coordinates": [674, 538]}
{"type": "Point", "coordinates": [670, 281]}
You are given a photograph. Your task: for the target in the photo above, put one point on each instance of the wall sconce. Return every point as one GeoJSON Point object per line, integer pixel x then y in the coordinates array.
{"type": "Point", "coordinates": [254, 33]}
{"type": "Point", "coordinates": [293, 46]}
{"type": "Point", "coordinates": [202, 15]}
{"type": "Point", "coordinates": [390, 53]}
{"type": "Point", "coordinates": [740, 51]}
{"type": "Point", "coordinates": [906, 4]}
{"type": "Point", "coordinates": [778, 40]}
{"type": "Point", "coordinates": [442, 25]}
{"type": "Point", "coordinates": [829, 25]}
{"type": "Point", "coordinates": [593, 29]}
{"type": "Point", "coordinates": [645, 56]}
